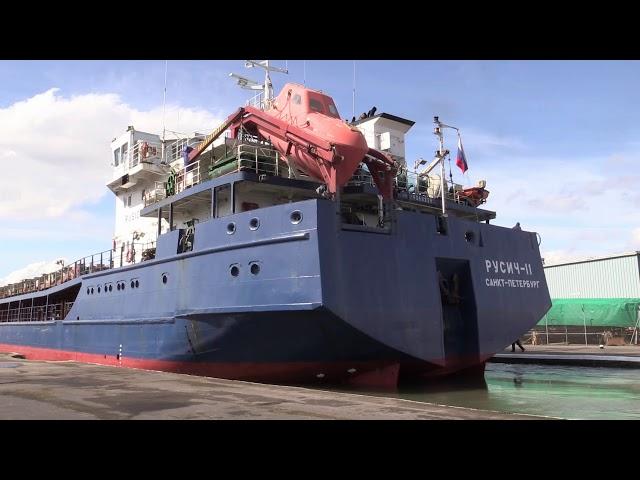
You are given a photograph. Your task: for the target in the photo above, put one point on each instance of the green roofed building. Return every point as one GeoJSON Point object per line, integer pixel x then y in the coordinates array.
{"type": "Point", "coordinates": [598, 292]}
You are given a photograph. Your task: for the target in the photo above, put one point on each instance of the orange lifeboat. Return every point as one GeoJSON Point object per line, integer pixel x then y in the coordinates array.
{"type": "Point", "coordinates": [305, 127]}
{"type": "Point", "coordinates": [474, 196]}
{"type": "Point", "coordinates": [316, 113]}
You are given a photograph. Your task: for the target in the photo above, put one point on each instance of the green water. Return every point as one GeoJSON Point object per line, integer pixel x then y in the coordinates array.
{"type": "Point", "coordinates": [554, 391]}
{"type": "Point", "coordinates": [551, 391]}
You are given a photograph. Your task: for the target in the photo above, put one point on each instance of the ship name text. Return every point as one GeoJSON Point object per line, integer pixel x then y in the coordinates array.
{"type": "Point", "coordinates": [500, 266]}
{"type": "Point", "coordinates": [510, 268]}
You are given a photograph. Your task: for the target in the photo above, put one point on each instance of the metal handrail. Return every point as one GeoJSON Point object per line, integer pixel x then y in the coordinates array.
{"type": "Point", "coordinates": [146, 152]}
{"type": "Point", "coordinates": [131, 253]}
{"type": "Point", "coordinates": [411, 182]}
{"type": "Point", "coordinates": [106, 260]}
{"type": "Point", "coordinates": [36, 313]}
{"type": "Point", "coordinates": [188, 176]}
{"type": "Point", "coordinates": [158, 193]}
{"type": "Point", "coordinates": [256, 101]}
{"type": "Point", "coordinates": [250, 156]}
{"type": "Point", "coordinates": [90, 264]}
{"type": "Point", "coordinates": [174, 150]}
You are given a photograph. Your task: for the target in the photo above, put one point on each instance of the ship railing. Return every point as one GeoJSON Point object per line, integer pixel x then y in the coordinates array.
{"type": "Point", "coordinates": [256, 101]}
{"type": "Point", "coordinates": [174, 149]}
{"type": "Point", "coordinates": [36, 313]}
{"type": "Point", "coordinates": [413, 183]}
{"type": "Point", "coordinates": [106, 260]}
{"type": "Point", "coordinates": [145, 152]}
{"type": "Point", "coordinates": [159, 192]}
{"type": "Point", "coordinates": [265, 160]}
{"type": "Point", "coordinates": [136, 252]}
{"type": "Point", "coordinates": [188, 176]}
{"type": "Point", "coordinates": [262, 159]}
{"type": "Point", "coordinates": [254, 157]}
{"type": "Point", "coordinates": [257, 157]}
{"type": "Point", "coordinates": [407, 181]}
{"type": "Point", "coordinates": [90, 264]}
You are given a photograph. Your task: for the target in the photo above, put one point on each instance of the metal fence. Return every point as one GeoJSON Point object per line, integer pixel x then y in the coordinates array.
{"type": "Point", "coordinates": [582, 334]}
{"type": "Point", "coordinates": [578, 335]}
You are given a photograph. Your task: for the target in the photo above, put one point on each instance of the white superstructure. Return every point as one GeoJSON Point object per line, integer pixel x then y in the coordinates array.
{"type": "Point", "coordinates": [140, 163]}
{"type": "Point", "coordinates": [386, 132]}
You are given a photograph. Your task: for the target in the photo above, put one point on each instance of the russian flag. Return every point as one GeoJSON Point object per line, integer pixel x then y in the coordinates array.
{"type": "Point", "coordinates": [461, 159]}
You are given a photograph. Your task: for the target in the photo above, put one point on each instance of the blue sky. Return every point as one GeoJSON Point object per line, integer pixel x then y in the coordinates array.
{"type": "Point", "coordinates": [557, 141]}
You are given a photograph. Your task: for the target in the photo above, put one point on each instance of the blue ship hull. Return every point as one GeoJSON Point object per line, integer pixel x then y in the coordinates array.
{"type": "Point", "coordinates": [302, 302]}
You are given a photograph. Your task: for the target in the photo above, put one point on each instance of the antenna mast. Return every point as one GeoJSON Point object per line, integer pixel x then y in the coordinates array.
{"type": "Point", "coordinates": [164, 102]}
{"type": "Point", "coordinates": [353, 108]}
{"type": "Point", "coordinates": [267, 87]}
{"type": "Point", "coordinates": [440, 156]}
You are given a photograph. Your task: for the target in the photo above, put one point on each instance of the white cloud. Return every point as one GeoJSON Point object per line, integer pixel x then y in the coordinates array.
{"type": "Point", "coordinates": [55, 149]}
{"type": "Point", "coordinates": [555, 257]}
{"type": "Point", "coordinates": [483, 143]}
{"type": "Point", "coordinates": [580, 205]}
{"type": "Point", "coordinates": [31, 271]}
{"type": "Point", "coordinates": [635, 239]}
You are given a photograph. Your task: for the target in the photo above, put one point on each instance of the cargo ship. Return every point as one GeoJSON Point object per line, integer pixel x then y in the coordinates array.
{"type": "Point", "coordinates": [287, 246]}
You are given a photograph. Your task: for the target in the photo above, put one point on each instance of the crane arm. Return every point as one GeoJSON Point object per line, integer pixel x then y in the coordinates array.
{"type": "Point", "coordinates": [209, 139]}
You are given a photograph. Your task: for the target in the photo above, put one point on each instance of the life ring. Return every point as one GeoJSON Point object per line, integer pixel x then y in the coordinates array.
{"type": "Point", "coordinates": [170, 186]}
{"type": "Point", "coordinates": [145, 149]}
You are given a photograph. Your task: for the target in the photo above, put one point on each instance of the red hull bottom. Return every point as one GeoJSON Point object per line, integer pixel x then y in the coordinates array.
{"type": "Point", "coordinates": [379, 374]}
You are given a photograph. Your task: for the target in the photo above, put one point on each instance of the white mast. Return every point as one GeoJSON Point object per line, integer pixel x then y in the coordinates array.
{"type": "Point", "coordinates": [440, 156]}
{"type": "Point", "coordinates": [164, 102]}
{"type": "Point", "coordinates": [267, 87]}
{"type": "Point", "coordinates": [353, 105]}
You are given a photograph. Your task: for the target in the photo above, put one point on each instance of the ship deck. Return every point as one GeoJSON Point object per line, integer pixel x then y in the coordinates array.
{"type": "Point", "coordinates": [201, 194]}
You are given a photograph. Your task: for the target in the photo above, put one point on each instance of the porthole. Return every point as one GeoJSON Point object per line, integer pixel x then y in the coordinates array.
{"type": "Point", "coordinates": [234, 270]}
{"type": "Point", "coordinates": [133, 284]}
{"type": "Point", "coordinates": [88, 290]}
{"type": "Point", "coordinates": [91, 290]}
{"type": "Point", "coordinates": [469, 236]}
{"type": "Point", "coordinates": [110, 287]}
{"type": "Point", "coordinates": [255, 268]}
{"type": "Point", "coordinates": [254, 223]}
{"type": "Point", "coordinates": [137, 283]}
{"type": "Point", "coordinates": [98, 289]}
{"type": "Point", "coordinates": [122, 286]}
{"type": "Point", "coordinates": [118, 286]}
{"type": "Point", "coordinates": [164, 278]}
{"type": "Point", "coordinates": [296, 217]}
{"type": "Point", "coordinates": [231, 228]}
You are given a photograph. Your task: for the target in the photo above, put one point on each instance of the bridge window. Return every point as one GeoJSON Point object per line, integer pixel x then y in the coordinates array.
{"type": "Point", "coordinates": [116, 157]}
{"type": "Point", "coordinates": [333, 111]}
{"type": "Point", "coordinates": [297, 99]}
{"type": "Point", "coordinates": [315, 105]}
